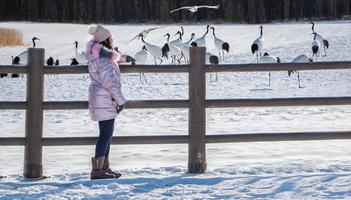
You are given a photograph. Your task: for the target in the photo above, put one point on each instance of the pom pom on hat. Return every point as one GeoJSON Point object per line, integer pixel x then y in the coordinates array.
{"type": "Point", "coordinates": [92, 29]}
{"type": "Point", "coordinates": [99, 32]}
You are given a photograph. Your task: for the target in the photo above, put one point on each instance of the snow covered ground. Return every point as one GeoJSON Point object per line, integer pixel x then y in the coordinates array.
{"type": "Point", "coordinates": [275, 170]}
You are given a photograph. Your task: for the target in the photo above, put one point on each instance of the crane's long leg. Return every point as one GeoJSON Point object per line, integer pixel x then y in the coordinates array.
{"type": "Point", "coordinates": [144, 78]}
{"type": "Point", "coordinates": [223, 54]}
{"type": "Point", "coordinates": [269, 78]}
{"type": "Point", "coordinates": [325, 52]}
{"type": "Point", "coordinates": [142, 75]}
{"type": "Point", "coordinates": [298, 78]}
{"type": "Point", "coordinates": [182, 56]}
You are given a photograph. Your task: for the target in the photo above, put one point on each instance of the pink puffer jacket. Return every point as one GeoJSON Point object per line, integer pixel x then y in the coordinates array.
{"type": "Point", "coordinates": [105, 92]}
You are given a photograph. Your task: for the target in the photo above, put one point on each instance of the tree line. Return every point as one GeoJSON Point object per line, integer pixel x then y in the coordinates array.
{"type": "Point", "coordinates": [157, 11]}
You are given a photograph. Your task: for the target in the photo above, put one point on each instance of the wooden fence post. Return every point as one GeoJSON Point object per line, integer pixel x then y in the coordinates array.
{"type": "Point", "coordinates": [34, 114]}
{"type": "Point", "coordinates": [197, 111]}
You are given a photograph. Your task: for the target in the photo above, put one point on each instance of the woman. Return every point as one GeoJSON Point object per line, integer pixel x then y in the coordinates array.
{"type": "Point", "coordinates": [105, 96]}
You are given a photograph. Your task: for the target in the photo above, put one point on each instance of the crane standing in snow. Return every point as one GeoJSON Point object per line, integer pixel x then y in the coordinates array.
{"type": "Point", "coordinates": [79, 56]}
{"type": "Point", "coordinates": [22, 57]}
{"type": "Point", "coordinates": [156, 51]}
{"type": "Point", "coordinates": [141, 58]}
{"type": "Point", "coordinates": [321, 39]}
{"type": "Point", "coordinates": [257, 45]}
{"type": "Point", "coordinates": [174, 51]}
{"type": "Point", "coordinates": [201, 42]}
{"type": "Point", "coordinates": [315, 46]}
{"type": "Point", "coordinates": [220, 44]}
{"type": "Point", "coordinates": [213, 59]}
{"type": "Point", "coordinates": [266, 58]}
{"type": "Point", "coordinates": [177, 41]}
{"type": "Point", "coordinates": [302, 58]}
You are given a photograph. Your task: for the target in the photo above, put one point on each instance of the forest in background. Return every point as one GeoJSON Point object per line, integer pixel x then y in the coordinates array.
{"type": "Point", "coordinates": [157, 11]}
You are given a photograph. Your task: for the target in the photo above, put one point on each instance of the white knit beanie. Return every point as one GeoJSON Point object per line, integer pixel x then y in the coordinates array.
{"type": "Point", "coordinates": [99, 32]}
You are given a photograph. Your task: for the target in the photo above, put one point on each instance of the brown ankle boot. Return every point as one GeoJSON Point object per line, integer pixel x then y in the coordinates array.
{"type": "Point", "coordinates": [97, 172]}
{"type": "Point", "coordinates": [107, 169]}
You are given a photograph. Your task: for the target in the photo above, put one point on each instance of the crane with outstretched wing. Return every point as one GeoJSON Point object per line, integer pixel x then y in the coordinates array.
{"type": "Point", "coordinates": [144, 33]}
{"type": "Point", "coordinates": [194, 9]}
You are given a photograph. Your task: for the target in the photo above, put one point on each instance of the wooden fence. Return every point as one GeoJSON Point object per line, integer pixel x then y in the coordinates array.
{"type": "Point", "coordinates": [197, 104]}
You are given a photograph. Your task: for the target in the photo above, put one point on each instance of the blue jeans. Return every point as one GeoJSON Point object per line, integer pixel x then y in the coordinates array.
{"type": "Point", "coordinates": [104, 141]}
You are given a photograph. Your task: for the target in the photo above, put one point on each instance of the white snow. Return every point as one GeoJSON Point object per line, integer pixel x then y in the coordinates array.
{"type": "Point", "coordinates": [274, 170]}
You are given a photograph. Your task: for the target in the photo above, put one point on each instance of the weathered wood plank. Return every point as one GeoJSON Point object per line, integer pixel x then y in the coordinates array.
{"type": "Point", "coordinates": [278, 67]}
{"type": "Point", "coordinates": [182, 139]}
{"type": "Point", "coordinates": [250, 67]}
{"type": "Point", "coordinates": [70, 69]}
{"type": "Point", "coordinates": [310, 101]}
{"type": "Point", "coordinates": [13, 105]}
{"type": "Point", "coordinates": [34, 114]}
{"type": "Point", "coordinates": [132, 104]}
{"type": "Point", "coordinates": [276, 137]}
{"type": "Point", "coordinates": [197, 111]}
{"type": "Point", "coordinates": [155, 69]}
{"type": "Point", "coordinates": [12, 141]}
{"type": "Point", "coordinates": [120, 140]}
{"type": "Point", "coordinates": [5, 69]}
{"type": "Point", "coordinates": [211, 103]}
{"type": "Point", "coordinates": [83, 69]}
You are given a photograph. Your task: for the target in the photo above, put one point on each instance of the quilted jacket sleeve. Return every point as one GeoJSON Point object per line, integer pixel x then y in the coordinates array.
{"type": "Point", "coordinates": [110, 80]}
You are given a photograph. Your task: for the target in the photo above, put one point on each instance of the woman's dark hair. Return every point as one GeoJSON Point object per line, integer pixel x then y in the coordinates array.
{"type": "Point", "coordinates": [107, 44]}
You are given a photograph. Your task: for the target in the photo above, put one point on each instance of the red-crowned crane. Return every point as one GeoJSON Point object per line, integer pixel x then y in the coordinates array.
{"type": "Point", "coordinates": [141, 58]}
{"type": "Point", "coordinates": [220, 44]}
{"type": "Point", "coordinates": [22, 57]}
{"type": "Point", "coordinates": [302, 58]}
{"type": "Point", "coordinates": [266, 58]}
{"type": "Point", "coordinates": [315, 47]}
{"type": "Point", "coordinates": [156, 51]}
{"type": "Point", "coordinates": [201, 42]}
{"type": "Point", "coordinates": [321, 39]}
{"type": "Point", "coordinates": [257, 45]}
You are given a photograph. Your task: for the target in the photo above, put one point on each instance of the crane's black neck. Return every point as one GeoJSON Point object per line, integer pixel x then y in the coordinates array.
{"type": "Point", "coordinates": [261, 31]}
{"type": "Point", "coordinates": [213, 31]}
{"type": "Point", "coordinates": [180, 34]}
{"type": "Point", "coordinates": [142, 37]}
{"type": "Point", "coordinates": [208, 27]}
{"type": "Point", "coordinates": [168, 36]}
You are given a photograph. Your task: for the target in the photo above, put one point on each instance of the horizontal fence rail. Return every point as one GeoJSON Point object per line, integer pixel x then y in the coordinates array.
{"type": "Point", "coordinates": [278, 102]}
{"type": "Point", "coordinates": [196, 105]}
{"type": "Point", "coordinates": [183, 139]}
{"type": "Point", "coordinates": [211, 103]}
{"type": "Point", "coordinates": [278, 67]}
{"type": "Point", "coordinates": [251, 67]}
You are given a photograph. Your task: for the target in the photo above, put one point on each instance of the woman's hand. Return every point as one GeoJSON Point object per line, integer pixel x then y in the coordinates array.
{"type": "Point", "coordinates": [120, 108]}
